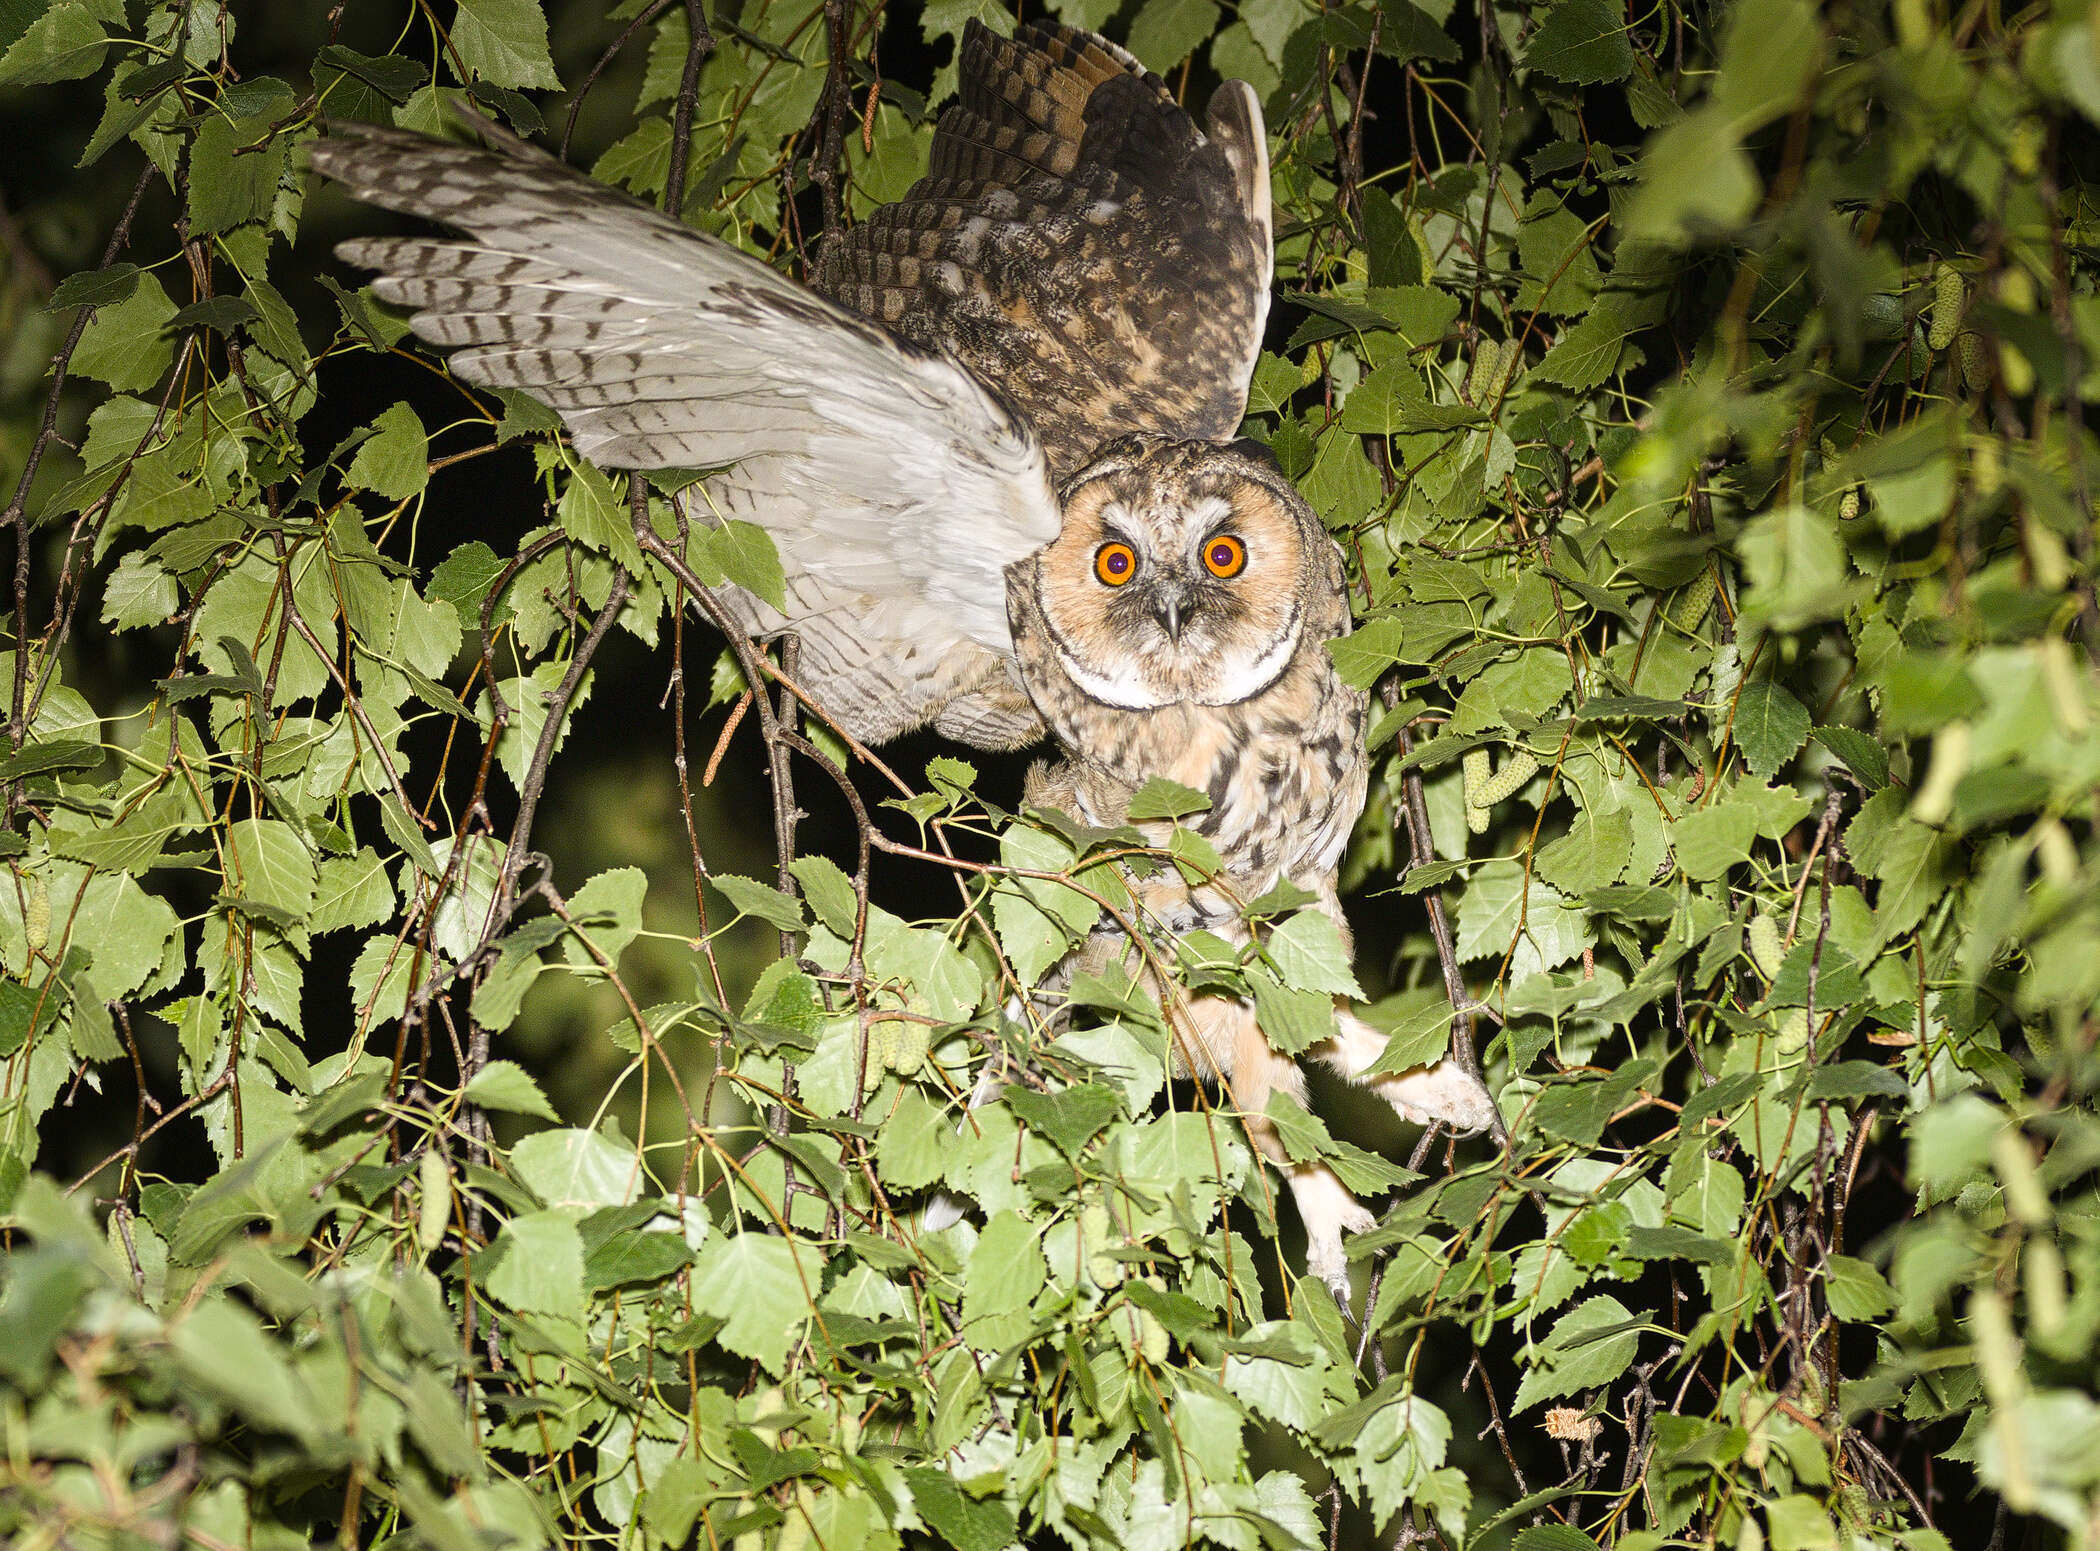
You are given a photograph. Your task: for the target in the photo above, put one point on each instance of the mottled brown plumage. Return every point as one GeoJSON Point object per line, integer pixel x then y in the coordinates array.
{"type": "Point", "coordinates": [1078, 242]}
{"type": "Point", "coordinates": [1074, 293]}
{"type": "Point", "coordinates": [1225, 685]}
{"type": "Point", "coordinates": [1239, 700]}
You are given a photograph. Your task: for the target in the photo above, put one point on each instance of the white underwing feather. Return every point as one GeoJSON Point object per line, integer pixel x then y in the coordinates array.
{"type": "Point", "coordinates": [888, 475]}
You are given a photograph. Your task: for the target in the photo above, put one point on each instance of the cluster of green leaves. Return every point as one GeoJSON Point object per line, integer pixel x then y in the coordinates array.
{"type": "Point", "coordinates": [1699, 401]}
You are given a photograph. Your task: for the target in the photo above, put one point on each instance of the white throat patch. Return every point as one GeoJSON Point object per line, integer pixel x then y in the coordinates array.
{"type": "Point", "coordinates": [1264, 670]}
{"type": "Point", "coordinates": [1126, 688]}
{"type": "Point", "coordinates": [1123, 689]}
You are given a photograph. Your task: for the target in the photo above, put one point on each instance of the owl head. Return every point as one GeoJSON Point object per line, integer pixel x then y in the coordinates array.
{"type": "Point", "coordinates": [1185, 571]}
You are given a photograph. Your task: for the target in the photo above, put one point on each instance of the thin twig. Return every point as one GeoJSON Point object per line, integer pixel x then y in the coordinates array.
{"type": "Point", "coordinates": [1415, 811]}
{"type": "Point", "coordinates": [17, 514]}
{"type": "Point", "coordinates": [700, 42]}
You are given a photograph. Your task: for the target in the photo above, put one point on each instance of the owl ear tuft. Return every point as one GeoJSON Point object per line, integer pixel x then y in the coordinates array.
{"type": "Point", "coordinates": [1258, 452]}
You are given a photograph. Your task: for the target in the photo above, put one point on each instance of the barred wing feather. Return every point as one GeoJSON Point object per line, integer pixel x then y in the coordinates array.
{"type": "Point", "coordinates": [896, 485]}
{"type": "Point", "coordinates": [1078, 240]}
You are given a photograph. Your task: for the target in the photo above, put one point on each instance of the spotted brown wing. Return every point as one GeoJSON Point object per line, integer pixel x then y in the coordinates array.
{"type": "Point", "coordinates": [1079, 242]}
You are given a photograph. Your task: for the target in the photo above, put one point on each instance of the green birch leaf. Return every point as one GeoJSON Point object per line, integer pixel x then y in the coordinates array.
{"type": "Point", "coordinates": [271, 865]}
{"type": "Point", "coordinates": [394, 460]}
{"type": "Point", "coordinates": [829, 891]}
{"type": "Point", "coordinates": [1695, 180]}
{"type": "Point", "coordinates": [1504, 913]}
{"type": "Point", "coordinates": [1713, 839]}
{"type": "Point", "coordinates": [1309, 955]}
{"type": "Point", "coordinates": [1861, 754]}
{"type": "Point", "coordinates": [404, 832]}
{"type": "Point", "coordinates": [1288, 1388]}
{"type": "Point", "coordinates": [1583, 42]}
{"type": "Point", "coordinates": [226, 1352]}
{"type": "Point", "coordinates": [750, 1281]}
{"type": "Point", "coordinates": [1589, 1346]}
{"type": "Point", "coordinates": [501, 994]}
{"type": "Point", "coordinates": [43, 758]}
{"type": "Point", "coordinates": [1292, 1020]}
{"type": "Point", "coordinates": [961, 1520]}
{"type": "Point", "coordinates": [594, 514]}
{"type": "Point", "coordinates": [126, 929]}
{"type": "Point", "coordinates": [1005, 1273]}
{"type": "Point", "coordinates": [104, 287]}
{"type": "Point", "coordinates": [776, 909]}
{"type": "Point", "coordinates": [540, 1266]}
{"type": "Point", "coordinates": [744, 554]}
{"type": "Point", "coordinates": [573, 1168]}
{"type": "Point", "coordinates": [1167, 31]}
{"type": "Point", "coordinates": [124, 345]}
{"type": "Point", "coordinates": [1069, 1117]}
{"type": "Point", "coordinates": [93, 1033]}
{"type": "Point", "coordinates": [391, 76]}
{"type": "Point", "coordinates": [1038, 918]}
{"type": "Point", "coordinates": [1911, 860]}
{"type": "Point", "coordinates": [630, 1259]}
{"type": "Point", "coordinates": [607, 911]}
{"type": "Point", "coordinates": [1855, 1290]}
{"type": "Point", "coordinates": [1362, 656]}
{"type": "Point", "coordinates": [1159, 798]}
{"type": "Point", "coordinates": [1409, 33]}
{"type": "Point", "coordinates": [504, 1085]}
{"type": "Point", "coordinates": [1585, 353]}
{"type": "Point", "coordinates": [910, 1150]}
{"type": "Point", "coordinates": [531, 702]}
{"type": "Point", "coordinates": [463, 579]}
{"type": "Point", "coordinates": [138, 593]}
{"type": "Point", "coordinates": [1770, 727]}
{"type": "Point", "coordinates": [233, 173]}
{"type": "Point", "coordinates": [1553, 1537]}
{"type": "Point", "coordinates": [504, 42]}
{"type": "Point", "coordinates": [1590, 856]}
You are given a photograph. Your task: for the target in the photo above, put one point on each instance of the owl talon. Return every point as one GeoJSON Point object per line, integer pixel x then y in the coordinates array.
{"type": "Point", "coordinates": [1329, 1212]}
{"type": "Point", "coordinates": [1342, 1293]}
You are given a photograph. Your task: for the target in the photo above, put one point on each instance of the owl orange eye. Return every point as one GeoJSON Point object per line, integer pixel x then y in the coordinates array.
{"type": "Point", "coordinates": [1115, 564]}
{"type": "Point", "coordinates": [1225, 556]}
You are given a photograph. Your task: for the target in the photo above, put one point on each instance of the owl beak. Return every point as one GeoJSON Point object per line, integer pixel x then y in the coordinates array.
{"type": "Point", "coordinates": [1169, 609]}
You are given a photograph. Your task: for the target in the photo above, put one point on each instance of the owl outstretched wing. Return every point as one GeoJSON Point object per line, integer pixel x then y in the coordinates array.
{"type": "Point", "coordinates": [896, 484]}
{"type": "Point", "coordinates": [1080, 242]}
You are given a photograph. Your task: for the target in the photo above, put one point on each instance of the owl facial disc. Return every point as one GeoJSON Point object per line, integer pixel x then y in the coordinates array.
{"type": "Point", "coordinates": [1180, 576]}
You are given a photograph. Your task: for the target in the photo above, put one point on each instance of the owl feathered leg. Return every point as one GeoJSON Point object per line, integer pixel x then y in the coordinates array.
{"type": "Point", "coordinates": [1327, 1208]}
{"type": "Point", "coordinates": [1442, 1092]}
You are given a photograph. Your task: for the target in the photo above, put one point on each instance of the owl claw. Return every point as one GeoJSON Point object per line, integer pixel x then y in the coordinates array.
{"type": "Point", "coordinates": [1329, 1213]}
{"type": "Point", "coordinates": [1342, 1293]}
{"type": "Point", "coordinates": [1444, 1093]}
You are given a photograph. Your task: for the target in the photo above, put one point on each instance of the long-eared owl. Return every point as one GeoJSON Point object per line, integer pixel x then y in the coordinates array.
{"type": "Point", "coordinates": [992, 448]}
